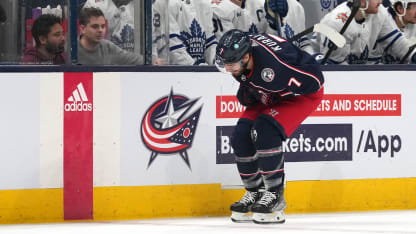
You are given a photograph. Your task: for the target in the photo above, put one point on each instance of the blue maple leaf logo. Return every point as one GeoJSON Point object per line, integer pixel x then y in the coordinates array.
{"type": "Point", "coordinates": [126, 40]}
{"type": "Point", "coordinates": [354, 59]}
{"type": "Point", "coordinates": [289, 32]}
{"type": "Point", "coordinates": [195, 41]}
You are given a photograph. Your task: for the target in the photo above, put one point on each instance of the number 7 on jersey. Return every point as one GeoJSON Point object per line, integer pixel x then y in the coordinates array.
{"type": "Point", "coordinates": [294, 81]}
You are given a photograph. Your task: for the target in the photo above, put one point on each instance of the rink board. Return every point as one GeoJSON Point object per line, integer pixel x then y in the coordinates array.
{"type": "Point", "coordinates": [93, 143]}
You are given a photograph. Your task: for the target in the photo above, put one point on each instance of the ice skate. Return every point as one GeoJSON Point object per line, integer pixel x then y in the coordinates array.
{"type": "Point", "coordinates": [241, 210]}
{"type": "Point", "coordinates": [269, 209]}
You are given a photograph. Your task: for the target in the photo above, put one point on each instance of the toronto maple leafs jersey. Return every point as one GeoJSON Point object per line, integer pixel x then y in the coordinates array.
{"type": "Point", "coordinates": [191, 34]}
{"type": "Point", "coordinates": [361, 37]}
{"type": "Point", "coordinates": [410, 31]}
{"type": "Point", "coordinates": [379, 54]}
{"type": "Point", "coordinates": [252, 18]}
{"type": "Point", "coordinates": [228, 15]}
{"type": "Point", "coordinates": [294, 22]}
{"type": "Point", "coordinates": [281, 69]}
{"type": "Point", "coordinates": [123, 33]}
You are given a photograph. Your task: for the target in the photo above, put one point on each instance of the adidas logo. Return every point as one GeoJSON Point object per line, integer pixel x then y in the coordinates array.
{"type": "Point", "coordinates": [78, 100]}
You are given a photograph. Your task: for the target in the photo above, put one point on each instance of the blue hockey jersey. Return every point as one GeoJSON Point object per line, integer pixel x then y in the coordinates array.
{"type": "Point", "coordinates": [280, 71]}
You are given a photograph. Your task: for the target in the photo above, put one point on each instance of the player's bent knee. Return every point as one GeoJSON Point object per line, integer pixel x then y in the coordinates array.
{"type": "Point", "coordinates": [241, 138]}
{"type": "Point", "coordinates": [266, 134]}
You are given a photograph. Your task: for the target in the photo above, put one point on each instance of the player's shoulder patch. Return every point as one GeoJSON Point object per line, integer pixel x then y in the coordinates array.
{"type": "Point", "coordinates": [343, 16]}
{"type": "Point", "coordinates": [267, 74]}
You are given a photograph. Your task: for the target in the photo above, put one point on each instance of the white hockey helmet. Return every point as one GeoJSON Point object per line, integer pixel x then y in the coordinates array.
{"type": "Point", "coordinates": [404, 3]}
{"type": "Point", "coordinates": [367, 2]}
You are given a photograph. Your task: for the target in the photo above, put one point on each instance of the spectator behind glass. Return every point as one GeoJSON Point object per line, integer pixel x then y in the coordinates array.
{"type": "Point", "coordinates": [50, 42]}
{"type": "Point", "coordinates": [94, 49]}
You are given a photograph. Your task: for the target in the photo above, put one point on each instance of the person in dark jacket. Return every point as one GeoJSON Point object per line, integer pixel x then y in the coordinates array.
{"type": "Point", "coordinates": [50, 42]}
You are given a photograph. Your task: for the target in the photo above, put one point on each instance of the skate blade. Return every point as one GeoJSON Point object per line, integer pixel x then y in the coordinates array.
{"type": "Point", "coordinates": [238, 217]}
{"type": "Point", "coordinates": [276, 217]}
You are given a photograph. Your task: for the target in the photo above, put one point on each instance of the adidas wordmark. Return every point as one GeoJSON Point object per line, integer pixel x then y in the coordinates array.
{"type": "Point", "coordinates": [79, 100]}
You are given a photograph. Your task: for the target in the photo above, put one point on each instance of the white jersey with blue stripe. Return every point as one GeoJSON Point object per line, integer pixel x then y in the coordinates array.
{"type": "Point", "coordinates": [361, 37]}
{"type": "Point", "coordinates": [228, 15]}
{"type": "Point", "coordinates": [294, 22]}
{"type": "Point", "coordinates": [191, 37]}
{"type": "Point", "coordinates": [383, 52]}
{"type": "Point", "coordinates": [410, 31]}
{"type": "Point", "coordinates": [252, 18]}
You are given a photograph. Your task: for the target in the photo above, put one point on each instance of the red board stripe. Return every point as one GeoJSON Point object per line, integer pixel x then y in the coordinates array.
{"type": "Point", "coordinates": [78, 146]}
{"type": "Point", "coordinates": [331, 105]}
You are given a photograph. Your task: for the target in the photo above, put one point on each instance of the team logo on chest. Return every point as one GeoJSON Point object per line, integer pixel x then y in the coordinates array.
{"type": "Point", "coordinates": [267, 74]}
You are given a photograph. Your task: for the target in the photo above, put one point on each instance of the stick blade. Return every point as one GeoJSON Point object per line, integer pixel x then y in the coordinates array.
{"type": "Point", "coordinates": [331, 33]}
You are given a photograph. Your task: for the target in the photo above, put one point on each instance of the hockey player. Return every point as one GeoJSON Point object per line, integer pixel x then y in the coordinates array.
{"type": "Point", "coordinates": [251, 16]}
{"type": "Point", "coordinates": [403, 17]}
{"type": "Point", "coordinates": [404, 13]}
{"type": "Point", "coordinates": [191, 37]}
{"type": "Point", "coordinates": [248, 16]}
{"type": "Point", "coordinates": [292, 16]}
{"type": "Point", "coordinates": [369, 26]}
{"type": "Point", "coordinates": [280, 85]}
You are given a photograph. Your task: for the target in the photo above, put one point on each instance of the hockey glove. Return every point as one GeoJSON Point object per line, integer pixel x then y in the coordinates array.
{"type": "Point", "coordinates": [386, 3]}
{"type": "Point", "coordinates": [279, 7]}
{"type": "Point", "coordinates": [246, 96]}
{"type": "Point", "coordinates": [269, 99]}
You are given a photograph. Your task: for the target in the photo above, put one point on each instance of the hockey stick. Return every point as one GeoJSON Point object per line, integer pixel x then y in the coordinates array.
{"type": "Point", "coordinates": [355, 7]}
{"type": "Point", "coordinates": [329, 32]}
{"type": "Point", "coordinates": [412, 42]}
{"type": "Point", "coordinates": [276, 19]}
